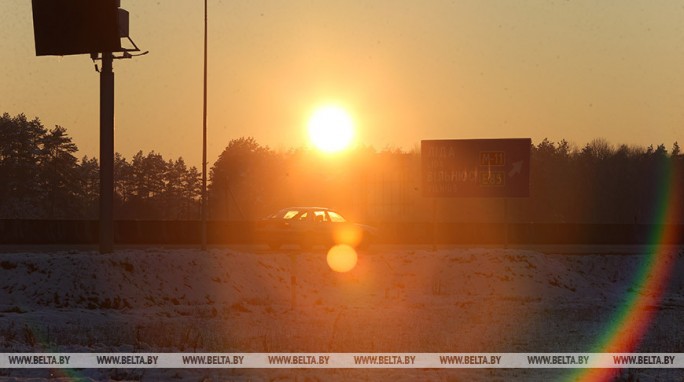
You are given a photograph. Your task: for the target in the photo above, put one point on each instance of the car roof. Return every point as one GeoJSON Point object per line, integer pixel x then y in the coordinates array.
{"type": "Point", "coordinates": [306, 208]}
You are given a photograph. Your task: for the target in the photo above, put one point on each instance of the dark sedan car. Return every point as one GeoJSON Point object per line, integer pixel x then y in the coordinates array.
{"type": "Point", "coordinates": [309, 226]}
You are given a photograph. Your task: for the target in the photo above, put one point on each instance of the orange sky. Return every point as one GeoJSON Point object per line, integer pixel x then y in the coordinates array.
{"type": "Point", "coordinates": [405, 70]}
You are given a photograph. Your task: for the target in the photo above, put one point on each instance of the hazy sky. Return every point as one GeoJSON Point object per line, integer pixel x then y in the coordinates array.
{"type": "Point", "coordinates": [405, 70]}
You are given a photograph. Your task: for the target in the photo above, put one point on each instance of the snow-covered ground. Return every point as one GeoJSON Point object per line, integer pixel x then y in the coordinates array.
{"type": "Point", "coordinates": [397, 299]}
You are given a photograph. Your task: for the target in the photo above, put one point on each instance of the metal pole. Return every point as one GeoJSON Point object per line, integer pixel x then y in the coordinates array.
{"type": "Point", "coordinates": [204, 139]}
{"type": "Point", "coordinates": [433, 232]}
{"type": "Point", "coordinates": [506, 223]}
{"type": "Point", "coordinates": [106, 154]}
{"type": "Point", "coordinates": [293, 281]}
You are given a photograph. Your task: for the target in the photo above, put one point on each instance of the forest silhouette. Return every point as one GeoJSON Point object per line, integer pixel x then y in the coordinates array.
{"type": "Point", "coordinates": [41, 178]}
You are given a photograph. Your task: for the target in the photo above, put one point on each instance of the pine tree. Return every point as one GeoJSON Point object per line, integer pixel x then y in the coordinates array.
{"type": "Point", "coordinates": [59, 174]}
{"type": "Point", "coordinates": [20, 152]}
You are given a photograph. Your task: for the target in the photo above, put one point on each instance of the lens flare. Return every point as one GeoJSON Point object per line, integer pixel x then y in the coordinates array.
{"type": "Point", "coordinates": [342, 258]}
{"type": "Point", "coordinates": [348, 234]}
{"type": "Point", "coordinates": [631, 321]}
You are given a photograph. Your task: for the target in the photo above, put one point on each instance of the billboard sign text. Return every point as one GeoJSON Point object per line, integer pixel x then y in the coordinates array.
{"type": "Point", "coordinates": [476, 167]}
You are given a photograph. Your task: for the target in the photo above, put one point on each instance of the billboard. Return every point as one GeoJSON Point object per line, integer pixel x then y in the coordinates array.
{"type": "Point", "coordinates": [476, 167]}
{"type": "Point", "coordinates": [64, 27]}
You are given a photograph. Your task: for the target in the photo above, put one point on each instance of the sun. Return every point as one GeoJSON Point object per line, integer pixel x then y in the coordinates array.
{"type": "Point", "coordinates": [331, 129]}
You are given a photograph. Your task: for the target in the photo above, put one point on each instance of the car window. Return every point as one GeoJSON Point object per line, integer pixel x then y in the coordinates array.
{"type": "Point", "coordinates": [320, 216]}
{"type": "Point", "coordinates": [289, 214]}
{"type": "Point", "coordinates": [335, 217]}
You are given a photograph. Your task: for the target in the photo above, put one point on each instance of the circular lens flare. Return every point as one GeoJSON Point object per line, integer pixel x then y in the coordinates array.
{"type": "Point", "coordinates": [342, 258]}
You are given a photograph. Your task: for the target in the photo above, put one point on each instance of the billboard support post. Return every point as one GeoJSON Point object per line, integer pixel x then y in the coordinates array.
{"type": "Point", "coordinates": [434, 225]}
{"type": "Point", "coordinates": [106, 154]}
{"type": "Point", "coordinates": [506, 223]}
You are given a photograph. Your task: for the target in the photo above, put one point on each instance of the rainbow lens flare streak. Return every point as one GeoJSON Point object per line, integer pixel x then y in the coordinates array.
{"type": "Point", "coordinates": [631, 321]}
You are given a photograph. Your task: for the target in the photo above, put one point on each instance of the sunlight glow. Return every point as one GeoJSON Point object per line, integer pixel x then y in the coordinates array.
{"type": "Point", "coordinates": [342, 258]}
{"type": "Point", "coordinates": [348, 234]}
{"type": "Point", "coordinates": [331, 129]}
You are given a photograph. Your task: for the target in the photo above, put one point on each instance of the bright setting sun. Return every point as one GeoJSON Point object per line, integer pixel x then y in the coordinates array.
{"type": "Point", "coordinates": [331, 129]}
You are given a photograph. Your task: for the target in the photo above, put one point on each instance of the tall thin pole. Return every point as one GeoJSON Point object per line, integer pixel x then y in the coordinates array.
{"type": "Point", "coordinates": [433, 231]}
{"type": "Point", "coordinates": [204, 139]}
{"type": "Point", "coordinates": [106, 227]}
{"type": "Point", "coordinates": [506, 223]}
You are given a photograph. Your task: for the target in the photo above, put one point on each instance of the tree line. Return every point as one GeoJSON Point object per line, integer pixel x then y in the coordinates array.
{"type": "Point", "coordinates": [597, 183]}
{"type": "Point", "coordinates": [41, 178]}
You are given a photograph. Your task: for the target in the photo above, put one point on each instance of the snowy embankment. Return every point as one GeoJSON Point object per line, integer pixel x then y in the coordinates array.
{"type": "Point", "coordinates": [395, 300]}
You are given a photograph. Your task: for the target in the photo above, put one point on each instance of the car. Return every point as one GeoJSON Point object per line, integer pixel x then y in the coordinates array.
{"type": "Point", "coordinates": [309, 226]}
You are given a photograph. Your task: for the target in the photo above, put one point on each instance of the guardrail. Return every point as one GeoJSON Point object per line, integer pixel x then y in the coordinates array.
{"type": "Point", "coordinates": [244, 232]}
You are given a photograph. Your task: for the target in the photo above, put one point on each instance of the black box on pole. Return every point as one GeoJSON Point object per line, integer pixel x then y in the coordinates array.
{"type": "Point", "coordinates": [65, 27]}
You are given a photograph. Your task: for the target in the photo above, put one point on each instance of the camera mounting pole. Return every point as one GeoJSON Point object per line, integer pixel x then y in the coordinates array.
{"type": "Point", "coordinates": [107, 154]}
{"type": "Point", "coordinates": [95, 27]}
